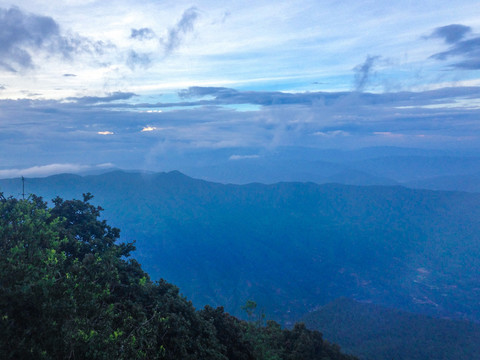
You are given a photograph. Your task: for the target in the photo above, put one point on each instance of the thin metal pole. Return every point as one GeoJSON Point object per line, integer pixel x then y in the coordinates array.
{"type": "Point", "coordinates": [23, 188]}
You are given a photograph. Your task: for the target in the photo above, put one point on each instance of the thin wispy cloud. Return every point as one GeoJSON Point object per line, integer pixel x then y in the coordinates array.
{"type": "Point", "coordinates": [50, 169]}
{"type": "Point", "coordinates": [176, 34]}
{"type": "Point", "coordinates": [363, 72]}
{"type": "Point", "coordinates": [135, 60]}
{"type": "Point", "coordinates": [243, 157]}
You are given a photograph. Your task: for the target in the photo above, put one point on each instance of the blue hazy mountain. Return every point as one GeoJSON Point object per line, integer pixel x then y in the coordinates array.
{"type": "Point", "coordinates": [378, 333]}
{"type": "Point", "coordinates": [367, 166]}
{"type": "Point", "coordinates": [292, 247]}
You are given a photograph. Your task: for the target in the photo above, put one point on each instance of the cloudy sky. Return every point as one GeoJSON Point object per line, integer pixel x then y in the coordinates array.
{"type": "Point", "coordinates": [87, 84]}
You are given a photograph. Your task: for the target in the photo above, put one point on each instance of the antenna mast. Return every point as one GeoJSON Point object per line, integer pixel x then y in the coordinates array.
{"type": "Point", "coordinates": [23, 188]}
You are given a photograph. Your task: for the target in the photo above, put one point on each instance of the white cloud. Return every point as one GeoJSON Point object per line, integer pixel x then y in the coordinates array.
{"type": "Point", "coordinates": [389, 134]}
{"type": "Point", "coordinates": [105, 133]}
{"type": "Point", "coordinates": [242, 157]}
{"type": "Point", "coordinates": [51, 169]}
{"type": "Point", "coordinates": [333, 133]}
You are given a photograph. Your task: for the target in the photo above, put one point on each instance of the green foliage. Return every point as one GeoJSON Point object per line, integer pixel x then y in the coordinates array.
{"type": "Point", "coordinates": [271, 342]}
{"type": "Point", "coordinates": [68, 290]}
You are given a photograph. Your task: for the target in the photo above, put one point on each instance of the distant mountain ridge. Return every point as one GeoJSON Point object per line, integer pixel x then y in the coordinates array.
{"type": "Point", "coordinates": [440, 169]}
{"type": "Point", "coordinates": [292, 247]}
{"type": "Point", "coordinates": [367, 166]}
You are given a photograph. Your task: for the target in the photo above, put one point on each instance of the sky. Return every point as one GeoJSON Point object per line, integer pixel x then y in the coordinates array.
{"type": "Point", "coordinates": [95, 84]}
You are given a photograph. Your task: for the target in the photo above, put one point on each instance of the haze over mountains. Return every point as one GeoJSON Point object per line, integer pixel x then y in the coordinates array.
{"type": "Point", "coordinates": [374, 225]}
{"type": "Point", "coordinates": [416, 168]}
{"type": "Point", "coordinates": [457, 170]}
{"type": "Point", "coordinates": [292, 247]}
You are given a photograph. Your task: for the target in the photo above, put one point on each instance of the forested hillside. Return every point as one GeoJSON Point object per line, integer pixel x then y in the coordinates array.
{"type": "Point", "coordinates": [377, 333]}
{"type": "Point", "coordinates": [292, 247]}
{"type": "Point", "coordinates": [70, 290]}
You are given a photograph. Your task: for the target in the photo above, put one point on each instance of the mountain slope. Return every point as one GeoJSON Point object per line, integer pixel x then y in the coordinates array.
{"type": "Point", "coordinates": [378, 333]}
{"type": "Point", "coordinates": [293, 246]}
{"type": "Point", "coordinates": [70, 291]}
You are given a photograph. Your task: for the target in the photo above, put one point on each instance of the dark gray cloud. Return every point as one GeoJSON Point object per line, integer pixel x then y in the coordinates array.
{"type": "Point", "coordinates": [71, 131]}
{"type": "Point", "coordinates": [2, 87]}
{"type": "Point", "coordinates": [470, 48]}
{"type": "Point", "coordinates": [364, 71]}
{"type": "Point", "coordinates": [451, 33]}
{"type": "Point", "coordinates": [69, 75]}
{"type": "Point", "coordinates": [200, 91]}
{"type": "Point", "coordinates": [220, 96]}
{"type": "Point", "coordinates": [142, 34]}
{"type": "Point", "coordinates": [19, 33]}
{"type": "Point", "coordinates": [90, 100]}
{"type": "Point", "coordinates": [24, 35]}
{"type": "Point", "coordinates": [465, 52]}
{"type": "Point", "coordinates": [135, 60]}
{"type": "Point", "coordinates": [183, 27]}
{"type": "Point", "coordinates": [227, 96]}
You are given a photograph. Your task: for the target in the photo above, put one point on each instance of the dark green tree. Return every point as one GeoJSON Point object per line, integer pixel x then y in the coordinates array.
{"type": "Point", "coordinates": [70, 290]}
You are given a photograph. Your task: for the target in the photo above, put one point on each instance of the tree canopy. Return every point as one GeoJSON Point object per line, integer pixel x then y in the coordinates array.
{"type": "Point", "coordinates": [70, 290]}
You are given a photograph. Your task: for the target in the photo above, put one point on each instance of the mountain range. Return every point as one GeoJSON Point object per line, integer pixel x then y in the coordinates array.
{"type": "Point", "coordinates": [416, 168]}
{"type": "Point", "coordinates": [292, 247]}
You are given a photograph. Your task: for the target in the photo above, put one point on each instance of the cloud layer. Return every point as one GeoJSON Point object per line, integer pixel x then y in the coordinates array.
{"type": "Point", "coordinates": [140, 136]}
{"type": "Point", "coordinates": [136, 83]}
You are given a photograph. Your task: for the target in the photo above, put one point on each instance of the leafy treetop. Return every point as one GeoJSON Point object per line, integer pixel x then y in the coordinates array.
{"type": "Point", "coordinates": [70, 290]}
